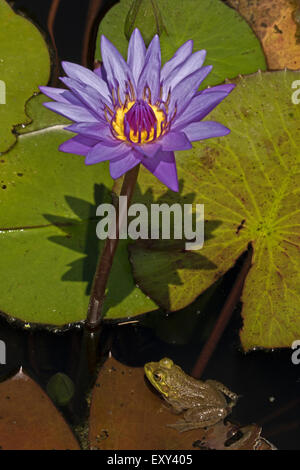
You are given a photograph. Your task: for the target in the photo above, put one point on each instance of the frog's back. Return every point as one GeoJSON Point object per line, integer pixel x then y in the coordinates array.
{"type": "Point", "coordinates": [192, 392]}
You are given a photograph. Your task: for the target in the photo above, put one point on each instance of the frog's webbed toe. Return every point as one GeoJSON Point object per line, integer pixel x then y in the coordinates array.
{"type": "Point", "coordinates": [183, 425]}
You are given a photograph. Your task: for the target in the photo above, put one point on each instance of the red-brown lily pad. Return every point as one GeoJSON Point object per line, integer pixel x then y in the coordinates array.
{"type": "Point", "coordinates": [276, 23]}
{"type": "Point", "coordinates": [137, 418]}
{"type": "Point", "coordinates": [28, 419]}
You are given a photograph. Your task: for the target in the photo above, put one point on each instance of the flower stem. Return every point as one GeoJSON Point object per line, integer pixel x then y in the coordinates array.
{"type": "Point", "coordinates": [95, 308]}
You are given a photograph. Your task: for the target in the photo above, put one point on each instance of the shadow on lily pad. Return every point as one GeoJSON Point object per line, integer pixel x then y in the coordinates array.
{"type": "Point", "coordinates": [79, 235]}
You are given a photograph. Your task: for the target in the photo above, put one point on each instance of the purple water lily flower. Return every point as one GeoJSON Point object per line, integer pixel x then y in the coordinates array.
{"type": "Point", "coordinates": [135, 112]}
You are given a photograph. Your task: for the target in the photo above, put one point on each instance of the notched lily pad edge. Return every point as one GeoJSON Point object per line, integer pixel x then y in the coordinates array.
{"type": "Point", "coordinates": [16, 127]}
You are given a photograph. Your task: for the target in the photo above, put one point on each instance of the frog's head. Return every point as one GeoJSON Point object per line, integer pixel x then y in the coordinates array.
{"type": "Point", "coordinates": [163, 375]}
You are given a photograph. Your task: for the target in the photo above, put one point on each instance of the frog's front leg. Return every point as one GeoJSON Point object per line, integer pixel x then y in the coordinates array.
{"type": "Point", "coordinates": [200, 417]}
{"type": "Point", "coordinates": [228, 393]}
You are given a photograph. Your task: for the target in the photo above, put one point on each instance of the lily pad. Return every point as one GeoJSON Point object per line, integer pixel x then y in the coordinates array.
{"type": "Point", "coordinates": [232, 48]}
{"type": "Point", "coordinates": [274, 23]}
{"type": "Point", "coordinates": [48, 243]}
{"type": "Point", "coordinates": [249, 184]}
{"type": "Point", "coordinates": [24, 65]}
{"type": "Point", "coordinates": [137, 418]}
{"type": "Point", "coordinates": [29, 421]}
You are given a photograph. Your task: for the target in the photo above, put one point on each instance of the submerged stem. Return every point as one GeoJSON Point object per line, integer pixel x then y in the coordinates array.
{"type": "Point", "coordinates": [95, 308]}
{"type": "Point", "coordinates": [224, 317]}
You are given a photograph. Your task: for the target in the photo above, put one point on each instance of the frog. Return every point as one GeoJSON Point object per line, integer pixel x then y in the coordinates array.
{"type": "Point", "coordinates": [201, 403]}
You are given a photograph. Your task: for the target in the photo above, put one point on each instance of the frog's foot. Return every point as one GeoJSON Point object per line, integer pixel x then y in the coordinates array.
{"type": "Point", "coordinates": [228, 393]}
{"type": "Point", "coordinates": [200, 417]}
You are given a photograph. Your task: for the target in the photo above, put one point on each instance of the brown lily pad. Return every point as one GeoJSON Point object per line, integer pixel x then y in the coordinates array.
{"type": "Point", "coordinates": [127, 414]}
{"type": "Point", "coordinates": [28, 419]}
{"type": "Point", "coordinates": [274, 23]}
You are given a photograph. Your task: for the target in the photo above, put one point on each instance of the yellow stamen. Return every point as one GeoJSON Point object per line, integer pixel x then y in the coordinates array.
{"type": "Point", "coordinates": [118, 125]}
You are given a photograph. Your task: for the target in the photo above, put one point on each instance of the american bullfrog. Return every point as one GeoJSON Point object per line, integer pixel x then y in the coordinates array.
{"type": "Point", "coordinates": [202, 403]}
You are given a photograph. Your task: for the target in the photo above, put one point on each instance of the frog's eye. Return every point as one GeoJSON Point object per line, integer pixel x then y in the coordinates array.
{"type": "Point", "coordinates": [157, 376]}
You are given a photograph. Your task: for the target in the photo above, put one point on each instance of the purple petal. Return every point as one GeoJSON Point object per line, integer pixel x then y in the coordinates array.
{"type": "Point", "coordinates": [227, 88]}
{"type": "Point", "coordinates": [175, 141]}
{"type": "Point", "coordinates": [102, 151]}
{"type": "Point", "coordinates": [163, 166]}
{"type": "Point", "coordinates": [150, 150]}
{"type": "Point", "coordinates": [98, 71]}
{"type": "Point", "coordinates": [185, 90]}
{"type": "Point", "coordinates": [60, 95]}
{"type": "Point", "coordinates": [205, 130]}
{"type": "Point", "coordinates": [120, 166]}
{"type": "Point", "coordinates": [88, 77]}
{"type": "Point", "coordinates": [178, 58]}
{"type": "Point", "coordinates": [150, 75]}
{"type": "Point", "coordinates": [88, 96]}
{"type": "Point", "coordinates": [117, 71]}
{"type": "Point", "coordinates": [199, 107]}
{"type": "Point", "coordinates": [70, 111]}
{"type": "Point", "coordinates": [97, 131]}
{"type": "Point", "coordinates": [79, 145]}
{"type": "Point", "coordinates": [189, 66]}
{"type": "Point", "coordinates": [136, 54]}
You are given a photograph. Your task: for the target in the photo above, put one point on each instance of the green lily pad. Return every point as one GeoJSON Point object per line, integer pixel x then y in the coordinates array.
{"type": "Point", "coordinates": [249, 184]}
{"type": "Point", "coordinates": [24, 65]}
{"type": "Point", "coordinates": [232, 47]}
{"type": "Point", "coordinates": [48, 243]}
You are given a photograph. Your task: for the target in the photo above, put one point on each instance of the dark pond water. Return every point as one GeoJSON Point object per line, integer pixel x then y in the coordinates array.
{"type": "Point", "coordinates": [268, 382]}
